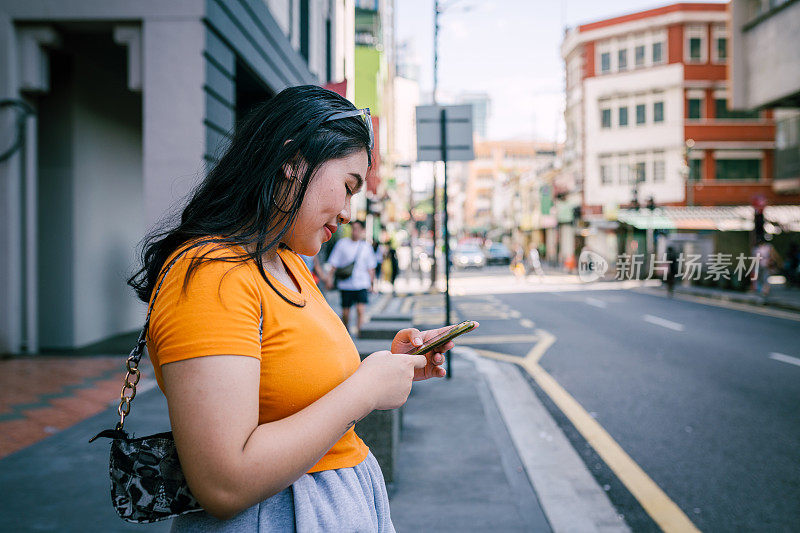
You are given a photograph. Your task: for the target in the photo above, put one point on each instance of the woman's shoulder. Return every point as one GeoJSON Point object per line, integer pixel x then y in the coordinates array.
{"type": "Point", "coordinates": [206, 263]}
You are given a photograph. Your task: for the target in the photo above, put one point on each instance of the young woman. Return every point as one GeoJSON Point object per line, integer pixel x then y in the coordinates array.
{"type": "Point", "coordinates": [262, 380]}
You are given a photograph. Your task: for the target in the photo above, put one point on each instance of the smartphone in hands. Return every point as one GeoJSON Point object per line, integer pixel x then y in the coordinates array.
{"type": "Point", "coordinates": [445, 337]}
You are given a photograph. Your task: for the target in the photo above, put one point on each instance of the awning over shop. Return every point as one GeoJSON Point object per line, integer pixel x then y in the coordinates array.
{"type": "Point", "coordinates": [778, 218]}
{"type": "Point", "coordinates": [645, 219]}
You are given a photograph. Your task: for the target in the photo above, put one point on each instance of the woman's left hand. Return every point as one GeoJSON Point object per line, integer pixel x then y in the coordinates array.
{"type": "Point", "coordinates": [408, 339]}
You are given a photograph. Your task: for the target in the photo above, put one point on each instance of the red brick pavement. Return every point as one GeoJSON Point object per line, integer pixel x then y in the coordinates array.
{"type": "Point", "coordinates": [85, 386]}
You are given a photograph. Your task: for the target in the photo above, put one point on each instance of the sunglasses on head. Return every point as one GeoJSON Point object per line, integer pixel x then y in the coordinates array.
{"type": "Point", "coordinates": [364, 115]}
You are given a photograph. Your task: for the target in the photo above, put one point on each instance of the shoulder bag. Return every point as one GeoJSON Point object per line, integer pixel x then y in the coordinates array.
{"type": "Point", "coordinates": [147, 483]}
{"type": "Point", "coordinates": [342, 273]}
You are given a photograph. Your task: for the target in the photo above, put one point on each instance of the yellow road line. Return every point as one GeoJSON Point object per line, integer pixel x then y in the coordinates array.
{"type": "Point", "coordinates": [546, 339]}
{"type": "Point", "coordinates": [499, 356]}
{"type": "Point", "coordinates": [494, 339]}
{"type": "Point", "coordinates": [655, 501]}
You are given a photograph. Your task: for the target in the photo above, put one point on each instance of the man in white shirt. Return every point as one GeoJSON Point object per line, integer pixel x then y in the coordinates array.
{"type": "Point", "coordinates": [356, 288]}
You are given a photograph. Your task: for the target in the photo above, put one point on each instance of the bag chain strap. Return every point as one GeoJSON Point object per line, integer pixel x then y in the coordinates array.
{"type": "Point", "coordinates": [132, 364]}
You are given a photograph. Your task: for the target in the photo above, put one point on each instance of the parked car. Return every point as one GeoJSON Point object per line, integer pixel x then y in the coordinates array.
{"type": "Point", "coordinates": [468, 256]}
{"type": "Point", "coordinates": [498, 254]}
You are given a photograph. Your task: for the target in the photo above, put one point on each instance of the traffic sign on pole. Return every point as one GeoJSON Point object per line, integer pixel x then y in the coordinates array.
{"type": "Point", "coordinates": [444, 133]}
{"type": "Point", "coordinates": [458, 125]}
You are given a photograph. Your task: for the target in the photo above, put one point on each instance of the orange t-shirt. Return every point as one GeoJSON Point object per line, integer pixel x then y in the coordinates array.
{"type": "Point", "coordinates": [305, 351]}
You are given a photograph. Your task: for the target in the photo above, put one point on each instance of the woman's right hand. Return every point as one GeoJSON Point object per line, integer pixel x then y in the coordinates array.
{"type": "Point", "coordinates": [388, 377]}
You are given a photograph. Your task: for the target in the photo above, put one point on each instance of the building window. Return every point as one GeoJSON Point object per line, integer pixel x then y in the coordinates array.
{"type": "Point", "coordinates": [787, 147]}
{"type": "Point", "coordinates": [695, 169]}
{"type": "Point", "coordinates": [695, 44]}
{"type": "Point", "coordinates": [305, 38]}
{"type": "Point", "coordinates": [659, 169]}
{"type": "Point", "coordinates": [695, 49]}
{"type": "Point", "coordinates": [639, 171]}
{"type": "Point", "coordinates": [605, 118]}
{"type": "Point", "coordinates": [605, 173]}
{"type": "Point", "coordinates": [722, 49]}
{"type": "Point", "coordinates": [623, 116]}
{"type": "Point", "coordinates": [622, 59]}
{"type": "Point", "coordinates": [624, 173]}
{"type": "Point", "coordinates": [695, 108]}
{"type": "Point", "coordinates": [638, 56]}
{"type": "Point", "coordinates": [719, 36]}
{"type": "Point", "coordinates": [658, 112]}
{"type": "Point", "coordinates": [605, 62]}
{"type": "Point", "coordinates": [640, 114]}
{"type": "Point", "coordinates": [658, 53]}
{"type": "Point", "coordinates": [721, 111]}
{"type": "Point", "coordinates": [738, 169]}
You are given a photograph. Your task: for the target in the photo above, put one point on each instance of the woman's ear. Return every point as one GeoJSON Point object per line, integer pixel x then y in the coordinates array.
{"type": "Point", "coordinates": [289, 188]}
{"type": "Point", "coordinates": [296, 167]}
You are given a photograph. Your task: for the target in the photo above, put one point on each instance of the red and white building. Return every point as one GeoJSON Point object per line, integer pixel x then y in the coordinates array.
{"type": "Point", "coordinates": [640, 86]}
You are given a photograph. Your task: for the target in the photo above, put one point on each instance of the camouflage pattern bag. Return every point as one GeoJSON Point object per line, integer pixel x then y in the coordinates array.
{"type": "Point", "coordinates": [147, 483]}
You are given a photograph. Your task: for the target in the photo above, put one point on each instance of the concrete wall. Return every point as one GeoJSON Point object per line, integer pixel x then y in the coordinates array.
{"type": "Point", "coordinates": [108, 195]}
{"type": "Point", "coordinates": [90, 196]}
{"type": "Point", "coordinates": [10, 201]}
{"type": "Point", "coordinates": [56, 138]}
{"type": "Point", "coordinates": [174, 107]}
{"type": "Point", "coordinates": [765, 65]}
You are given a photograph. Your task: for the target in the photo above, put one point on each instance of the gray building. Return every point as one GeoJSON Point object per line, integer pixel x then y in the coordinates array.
{"type": "Point", "coordinates": [111, 111]}
{"type": "Point", "coordinates": [481, 109]}
{"type": "Point", "coordinates": [766, 74]}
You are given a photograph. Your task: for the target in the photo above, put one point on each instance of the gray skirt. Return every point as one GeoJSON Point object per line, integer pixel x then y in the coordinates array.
{"type": "Point", "coordinates": [346, 499]}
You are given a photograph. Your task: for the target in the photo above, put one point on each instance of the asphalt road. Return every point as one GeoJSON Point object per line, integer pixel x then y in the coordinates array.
{"type": "Point", "coordinates": [688, 390]}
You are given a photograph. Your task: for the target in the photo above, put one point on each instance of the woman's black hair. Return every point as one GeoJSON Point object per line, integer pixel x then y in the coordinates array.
{"type": "Point", "coordinates": [246, 198]}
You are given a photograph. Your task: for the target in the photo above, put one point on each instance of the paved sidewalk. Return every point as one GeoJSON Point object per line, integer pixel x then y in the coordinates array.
{"type": "Point", "coordinates": [457, 470]}
{"type": "Point", "coordinates": [42, 395]}
{"type": "Point", "coordinates": [779, 296]}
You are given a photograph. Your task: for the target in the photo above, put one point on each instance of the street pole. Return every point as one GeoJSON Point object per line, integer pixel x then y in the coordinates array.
{"type": "Point", "coordinates": [435, 87]}
{"type": "Point", "coordinates": [690, 185]}
{"type": "Point", "coordinates": [446, 235]}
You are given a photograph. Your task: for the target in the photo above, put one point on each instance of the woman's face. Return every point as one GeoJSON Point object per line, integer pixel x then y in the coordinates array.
{"type": "Point", "coordinates": [327, 202]}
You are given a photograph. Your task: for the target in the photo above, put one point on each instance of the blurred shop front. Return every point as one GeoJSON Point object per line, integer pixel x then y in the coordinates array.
{"type": "Point", "coordinates": [703, 231]}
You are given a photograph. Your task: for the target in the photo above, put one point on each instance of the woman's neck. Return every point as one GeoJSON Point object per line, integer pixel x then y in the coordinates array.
{"type": "Point", "coordinates": [270, 260]}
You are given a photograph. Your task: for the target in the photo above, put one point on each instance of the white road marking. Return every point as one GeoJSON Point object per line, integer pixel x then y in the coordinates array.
{"type": "Point", "coordinates": [525, 323]}
{"type": "Point", "coordinates": [782, 357]}
{"type": "Point", "coordinates": [747, 308]}
{"type": "Point", "coordinates": [597, 303]}
{"type": "Point", "coordinates": [663, 322]}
